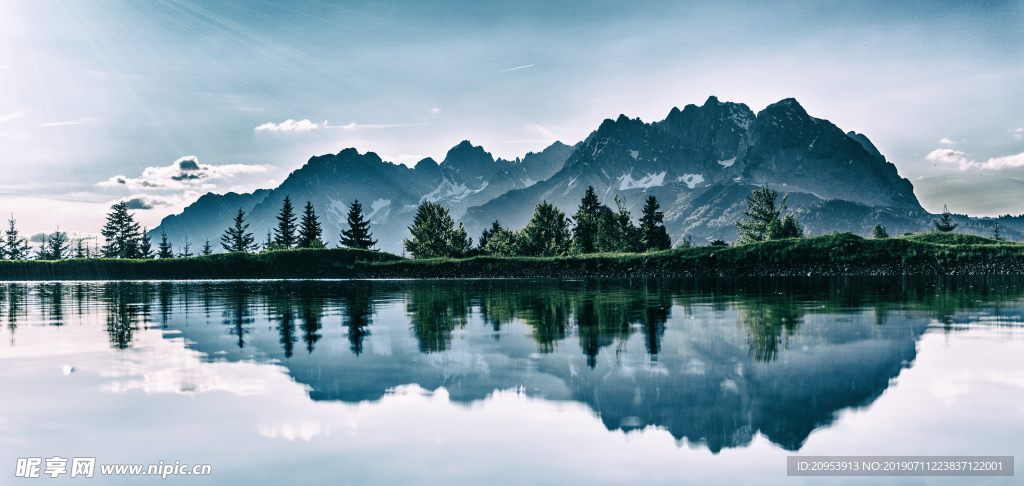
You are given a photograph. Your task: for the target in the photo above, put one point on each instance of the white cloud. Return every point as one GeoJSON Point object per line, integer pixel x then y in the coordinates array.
{"type": "Point", "coordinates": [80, 121]}
{"type": "Point", "coordinates": [11, 116]}
{"type": "Point", "coordinates": [543, 131]}
{"type": "Point", "coordinates": [1018, 133]}
{"type": "Point", "coordinates": [184, 173]}
{"type": "Point", "coordinates": [947, 141]}
{"type": "Point", "coordinates": [520, 67]}
{"type": "Point", "coordinates": [435, 111]}
{"type": "Point", "coordinates": [950, 156]}
{"type": "Point", "coordinates": [956, 157]}
{"type": "Point", "coordinates": [288, 126]}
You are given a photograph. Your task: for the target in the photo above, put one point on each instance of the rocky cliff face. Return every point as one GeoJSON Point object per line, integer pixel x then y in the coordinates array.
{"type": "Point", "coordinates": [700, 162]}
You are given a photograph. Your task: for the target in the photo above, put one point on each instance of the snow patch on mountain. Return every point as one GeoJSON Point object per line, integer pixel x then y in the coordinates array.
{"type": "Point", "coordinates": [634, 154]}
{"type": "Point", "coordinates": [691, 180]}
{"type": "Point", "coordinates": [650, 180]}
{"type": "Point", "coordinates": [451, 191]}
{"type": "Point", "coordinates": [377, 206]}
{"type": "Point", "coordinates": [727, 163]}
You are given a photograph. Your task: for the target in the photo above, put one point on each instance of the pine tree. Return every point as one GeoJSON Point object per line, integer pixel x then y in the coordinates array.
{"type": "Point", "coordinates": [615, 230]}
{"type": "Point", "coordinates": [488, 233]}
{"type": "Point", "coordinates": [79, 250]}
{"type": "Point", "coordinates": [547, 233]}
{"type": "Point", "coordinates": [997, 232]}
{"type": "Point", "coordinates": [764, 222]}
{"type": "Point", "coordinates": [358, 233]}
{"type": "Point", "coordinates": [653, 235]}
{"type": "Point", "coordinates": [166, 249]}
{"type": "Point", "coordinates": [945, 223]}
{"type": "Point", "coordinates": [55, 247]}
{"type": "Point", "coordinates": [879, 232]}
{"type": "Point", "coordinates": [187, 251]}
{"type": "Point", "coordinates": [14, 247]}
{"type": "Point", "coordinates": [207, 250]}
{"type": "Point", "coordinates": [145, 245]}
{"type": "Point", "coordinates": [434, 234]}
{"type": "Point", "coordinates": [587, 220]}
{"type": "Point", "coordinates": [309, 229]}
{"type": "Point", "coordinates": [121, 233]}
{"type": "Point", "coordinates": [284, 234]}
{"type": "Point", "coordinates": [236, 238]}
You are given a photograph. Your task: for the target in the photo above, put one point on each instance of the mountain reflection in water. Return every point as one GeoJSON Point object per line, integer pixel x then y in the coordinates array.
{"type": "Point", "coordinates": [712, 361]}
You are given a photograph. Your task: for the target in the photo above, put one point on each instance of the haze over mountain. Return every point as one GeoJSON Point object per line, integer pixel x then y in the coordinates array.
{"type": "Point", "coordinates": [700, 162]}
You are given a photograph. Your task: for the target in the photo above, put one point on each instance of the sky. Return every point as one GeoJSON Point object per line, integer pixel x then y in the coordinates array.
{"type": "Point", "coordinates": [104, 100]}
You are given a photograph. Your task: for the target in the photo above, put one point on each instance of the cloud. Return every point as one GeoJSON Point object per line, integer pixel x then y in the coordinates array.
{"type": "Point", "coordinates": [950, 156]}
{"type": "Point", "coordinates": [17, 114]}
{"type": "Point", "coordinates": [1017, 133]}
{"type": "Point", "coordinates": [435, 111]}
{"type": "Point", "coordinates": [288, 126]}
{"type": "Point", "coordinates": [543, 131]}
{"type": "Point", "coordinates": [354, 126]}
{"type": "Point", "coordinates": [947, 141]}
{"type": "Point", "coordinates": [5, 66]}
{"type": "Point", "coordinates": [184, 173]}
{"type": "Point", "coordinates": [956, 157]}
{"type": "Point", "coordinates": [520, 67]}
{"type": "Point", "coordinates": [143, 201]}
{"type": "Point", "coordinates": [80, 121]}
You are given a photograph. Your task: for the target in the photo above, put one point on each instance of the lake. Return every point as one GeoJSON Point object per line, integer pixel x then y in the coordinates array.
{"type": "Point", "coordinates": [661, 381]}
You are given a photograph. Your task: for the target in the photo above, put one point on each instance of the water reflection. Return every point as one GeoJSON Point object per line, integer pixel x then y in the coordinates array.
{"type": "Point", "coordinates": [712, 361]}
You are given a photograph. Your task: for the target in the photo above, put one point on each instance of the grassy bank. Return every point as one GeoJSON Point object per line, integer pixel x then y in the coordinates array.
{"type": "Point", "coordinates": [836, 254]}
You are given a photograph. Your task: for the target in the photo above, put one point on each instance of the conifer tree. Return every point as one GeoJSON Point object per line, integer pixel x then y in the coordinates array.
{"type": "Point", "coordinates": [187, 251]}
{"type": "Point", "coordinates": [945, 223]}
{"type": "Point", "coordinates": [764, 222]}
{"type": "Point", "coordinates": [653, 235]}
{"type": "Point", "coordinates": [284, 234]}
{"type": "Point", "coordinates": [615, 230]}
{"type": "Point", "coordinates": [55, 247]}
{"type": "Point", "coordinates": [309, 229]}
{"type": "Point", "coordinates": [145, 245]}
{"type": "Point", "coordinates": [587, 221]}
{"type": "Point", "coordinates": [997, 233]}
{"type": "Point", "coordinates": [79, 249]}
{"type": "Point", "coordinates": [434, 234]}
{"type": "Point", "coordinates": [121, 233]}
{"type": "Point", "coordinates": [14, 247]}
{"type": "Point", "coordinates": [358, 233]}
{"type": "Point", "coordinates": [547, 233]}
{"type": "Point", "coordinates": [236, 238]}
{"type": "Point", "coordinates": [166, 249]}
{"type": "Point", "coordinates": [488, 233]}
{"type": "Point", "coordinates": [207, 250]}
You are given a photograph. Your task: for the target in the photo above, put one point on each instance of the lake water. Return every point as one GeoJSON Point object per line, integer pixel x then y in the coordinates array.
{"type": "Point", "coordinates": [676, 381]}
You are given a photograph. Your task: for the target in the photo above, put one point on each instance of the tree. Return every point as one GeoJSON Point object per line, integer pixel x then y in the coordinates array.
{"type": "Point", "coordinates": [615, 230]}
{"type": "Point", "coordinates": [358, 233]}
{"type": "Point", "coordinates": [236, 238]}
{"type": "Point", "coordinates": [434, 234]}
{"type": "Point", "coordinates": [187, 251]}
{"type": "Point", "coordinates": [79, 250]}
{"type": "Point", "coordinates": [764, 222]}
{"type": "Point", "coordinates": [55, 247]}
{"type": "Point", "coordinates": [945, 223]}
{"type": "Point", "coordinates": [166, 249]}
{"type": "Point", "coordinates": [14, 247]}
{"type": "Point", "coordinates": [653, 235]}
{"type": "Point", "coordinates": [207, 250]}
{"type": "Point", "coordinates": [501, 242]}
{"type": "Point", "coordinates": [309, 229]}
{"type": "Point", "coordinates": [997, 232]}
{"type": "Point", "coordinates": [488, 233]}
{"type": "Point", "coordinates": [284, 234]}
{"type": "Point", "coordinates": [547, 233]}
{"type": "Point", "coordinates": [585, 232]}
{"type": "Point", "coordinates": [121, 233]}
{"type": "Point", "coordinates": [879, 232]}
{"type": "Point", "coordinates": [145, 245]}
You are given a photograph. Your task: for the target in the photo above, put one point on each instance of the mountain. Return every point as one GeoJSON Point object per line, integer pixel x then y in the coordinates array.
{"type": "Point", "coordinates": [389, 193]}
{"type": "Point", "coordinates": [701, 163]}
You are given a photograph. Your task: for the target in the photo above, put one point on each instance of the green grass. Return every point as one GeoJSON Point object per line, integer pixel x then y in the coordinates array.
{"type": "Point", "coordinates": [839, 253]}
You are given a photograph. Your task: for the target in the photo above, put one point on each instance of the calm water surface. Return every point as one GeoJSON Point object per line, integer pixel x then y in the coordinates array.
{"type": "Point", "coordinates": [675, 381]}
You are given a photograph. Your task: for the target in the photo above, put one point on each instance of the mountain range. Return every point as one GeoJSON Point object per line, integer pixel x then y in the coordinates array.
{"type": "Point", "coordinates": [700, 162]}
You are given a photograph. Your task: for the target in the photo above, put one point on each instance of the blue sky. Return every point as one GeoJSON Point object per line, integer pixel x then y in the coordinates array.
{"type": "Point", "coordinates": [94, 90]}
